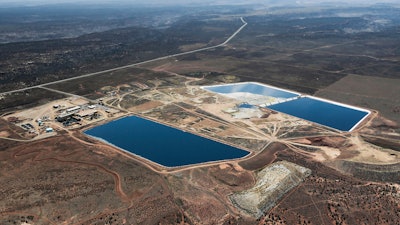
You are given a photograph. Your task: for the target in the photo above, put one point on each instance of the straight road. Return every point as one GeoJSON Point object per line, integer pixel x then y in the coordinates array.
{"type": "Point", "coordinates": [134, 64]}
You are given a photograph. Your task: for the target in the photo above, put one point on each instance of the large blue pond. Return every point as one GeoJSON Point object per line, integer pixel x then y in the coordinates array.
{"type": "Point", "coordinates": [253, 88]}
{"type": "Point", "coordinates": [164, 145]}
{"type": "Point", "coordinates": [322, 112]}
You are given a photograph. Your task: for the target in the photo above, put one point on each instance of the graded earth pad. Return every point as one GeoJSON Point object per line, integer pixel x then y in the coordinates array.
{"type": "Point", "coordinates": [272, 183]}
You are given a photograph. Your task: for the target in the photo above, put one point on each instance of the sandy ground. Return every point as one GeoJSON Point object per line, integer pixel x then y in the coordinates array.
{"type": "Point", "coordinates": [146, 106]}
{"type": "Point", "coordinates": [79, 101]}
{"type": "Point", "coordinates": [4, 134]}
{"type": "Point", "coordinates": [372, 154]}
{"type": "Point", "coordinates": [185, 48]}
{"type": "Point", "coordinates": [358, 151]}
{"type": "Point", "coordinates": [329, 153]}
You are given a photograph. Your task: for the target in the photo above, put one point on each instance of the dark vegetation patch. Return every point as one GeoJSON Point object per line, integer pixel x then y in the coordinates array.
{"type": "Point", "coordinates": [201, 74]}
{"type": "Point", "coordinates": [371, 172]}
{"type": "Point", "coordinates": [91, 86]}
{"type": "Point", "coordinates": [131, 101]}
{"type": "Point", "coordinates": [27, 99]}
{"type": "Point", "coordinates": [383, 44]}
{"type": "Point", "coordinates": [381, 69]}
{"type": "Point", "coordinates": [6, 144]}
{"type": "Point", "coordinates": [382, 142]}
{"type": "Point", "coordinates": [306, 50]}
{"type": "Point", "coordinates": [385, 106]}
{"type": "Point", "coordinates": [31, 63]}
{"type": "Point", "coordinates": [306, 148]}
{"type": "Point", "coordinates": [285, 75]}
{"type": "Point", "coordinates": [299, 131]}
{"type": "Point", "coordinates": [326, 61]}
{"type": "Point", "coordinates": [186, 105]}
{"type": "Point", "coordinates": [13, 131]}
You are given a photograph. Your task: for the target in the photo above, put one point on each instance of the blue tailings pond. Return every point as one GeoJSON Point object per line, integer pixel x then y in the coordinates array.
{"type": "Point", "coordinates": [253, 88]}
{"type": "Point", "coordinates": [161, 144]}
{"type": "Point", "coordinates": [324, 112]}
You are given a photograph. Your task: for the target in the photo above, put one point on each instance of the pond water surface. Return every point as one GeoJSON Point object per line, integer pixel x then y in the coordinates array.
{"type": "Point", "coordinates": [162, 144]}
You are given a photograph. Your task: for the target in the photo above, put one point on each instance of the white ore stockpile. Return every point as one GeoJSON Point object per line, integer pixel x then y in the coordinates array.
{"type": "Point", "coordinates": [272, 183]}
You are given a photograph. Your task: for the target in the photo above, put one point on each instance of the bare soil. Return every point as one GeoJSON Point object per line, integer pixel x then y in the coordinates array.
{"type": "Point", "coordinates": [51, 189]}
{"type": "Point", "coordinates": [264, 158]}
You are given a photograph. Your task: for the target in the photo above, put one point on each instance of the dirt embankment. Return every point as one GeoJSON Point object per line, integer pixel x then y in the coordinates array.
{"type": "Point", "coordinates": [370, 172]}
{"type": "Point", "coordinates": [264, 158]}
{"type": "Point", "coordinates": [383, 142]}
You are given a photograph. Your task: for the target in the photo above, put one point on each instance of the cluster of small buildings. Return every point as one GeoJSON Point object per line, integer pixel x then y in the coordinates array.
{"type": "Point", "coordinates": [27, 126]}
{"type": "Point", "coordinates": [35, 122]}
{"type": "Point", "coordinates": [75, 114]}
{"type": "Point", "coordinates": [42, 126]}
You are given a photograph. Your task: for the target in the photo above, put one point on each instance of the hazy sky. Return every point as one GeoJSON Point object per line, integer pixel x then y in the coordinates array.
{"type": "Point", "coordinates": [189, 2]}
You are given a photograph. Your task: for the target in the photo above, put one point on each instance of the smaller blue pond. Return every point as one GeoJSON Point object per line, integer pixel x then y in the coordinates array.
{"type": "Point", "coordinates": [322, 112]}
{"type": "Point", "coordinates": [246, 106]}
{"type": "Point", "coordinates": [164, 145]}
{"type": "Point", "coordinates": [253, 88]}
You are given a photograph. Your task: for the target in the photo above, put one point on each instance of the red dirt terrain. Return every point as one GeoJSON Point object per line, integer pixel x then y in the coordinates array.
{"type": "Point", "coordinates": [60, 180]}
{"type": "Point", "coordinates": [70, 178]}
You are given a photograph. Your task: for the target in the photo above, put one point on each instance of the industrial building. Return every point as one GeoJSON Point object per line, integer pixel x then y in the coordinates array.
{"type": "Point", "coordinates": [73, 109]}
{"type": "Point", "coordinates": [87, 113]}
